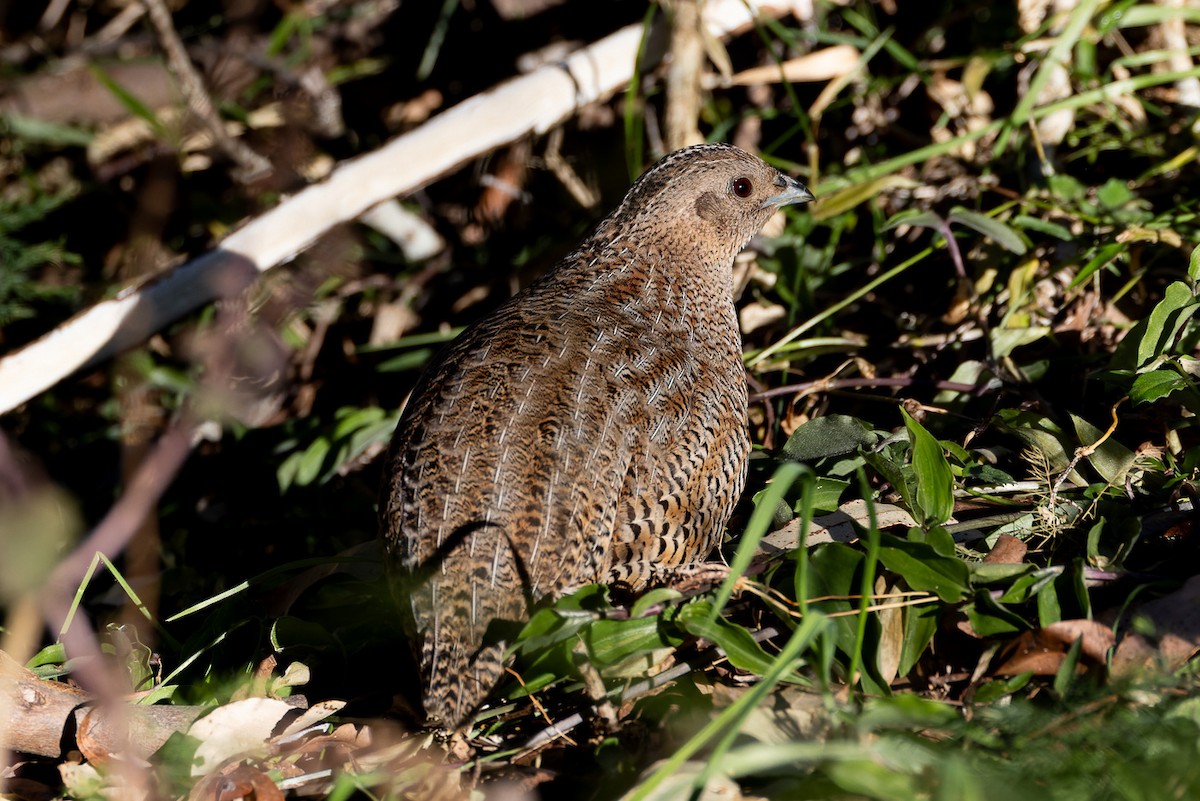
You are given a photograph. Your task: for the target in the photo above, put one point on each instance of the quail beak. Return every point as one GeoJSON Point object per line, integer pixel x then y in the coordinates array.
{"type": "Point", "coordinates": [793, 192]}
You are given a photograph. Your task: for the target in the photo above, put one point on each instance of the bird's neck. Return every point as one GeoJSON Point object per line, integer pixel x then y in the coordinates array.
{"type": "Point", "coordinates": [693, 286]}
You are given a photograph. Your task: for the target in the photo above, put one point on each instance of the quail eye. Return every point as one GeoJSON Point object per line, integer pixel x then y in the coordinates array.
{"type": "Point", "coordinates": [742, 187]}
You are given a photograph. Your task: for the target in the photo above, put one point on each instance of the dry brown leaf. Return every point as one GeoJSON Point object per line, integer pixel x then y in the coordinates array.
{"type": "Point", "coordinates": [314, 714]}
{"type": "Point", "coordinates": [891, 634]}
{"type": "Point", "coordinates": [1176, 622]}
{"type": "Point", "coordinates": [1008, 550]}
{"type": "Point", "coordinates": [1042, 651]}
{"type": "Point", "coordinates": [242, 727]}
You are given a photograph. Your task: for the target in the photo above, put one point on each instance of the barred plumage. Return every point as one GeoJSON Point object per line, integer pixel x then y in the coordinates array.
{"type": "Point", "coordinates": [591, 429]}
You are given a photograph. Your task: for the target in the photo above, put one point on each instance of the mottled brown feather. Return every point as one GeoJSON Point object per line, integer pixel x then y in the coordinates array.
{"type": "Point", "coordinates": [591, 429]}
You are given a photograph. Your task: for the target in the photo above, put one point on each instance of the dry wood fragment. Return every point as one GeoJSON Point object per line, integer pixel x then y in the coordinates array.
{"type": "Point", "coordinates": [47, 718]}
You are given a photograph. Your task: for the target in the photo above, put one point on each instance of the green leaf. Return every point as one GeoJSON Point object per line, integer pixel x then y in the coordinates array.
{"type": "Point", "coordinates": [1066, 187]}
{"type": "Point", "coordinates": [53, 654]}
{"type": "Point", "coordinates": [610, 641]}
{"type": "Point", "coordinates": [831, 435]}
{"type": "Point", "coordinates": [1040, 433]}
{"type": "Point", "coordinates": [1153, 336]}
{"type": "Point", "coordinates": [737, 643]}
{"type": "Point", "coordinates": [725, 726]}
{"type": "Point", "coordinates": [989, 618]}
{"type": "Point", "coordinates": [1001, 234]}
{"type": "Point", "coordinates": [934, 494]}
{"type": "Point", "coordinates": [309, 466]}
{"type": "Point", "coordinates": [131, 103]}
{"type": "Point", "coordinates": [1156, 384]}
{"type": "Point", "coordinates": [1194, 264]}
{"type": "Point", "coordinates": [350, 419]}
{"type": "Point", "coordinates": [648, 600]}
{"type": "Point", "coordinates": [1048, 606]}
{"type": "Point", "coordinates": [923, 568]}
{"type": "Point", "coordinates": [834, 573]}
{"type": "Point", "coordinates": [32, 129]}
{"type": "Point", "coordinates": [996, 689]}
{"type": "Point", "coordinates": [826, 494]}
{"type": "Point", "coordinates": [1114, 194]}
{"type": "Point", "coordinates": [1029, 585]}
{"type": "Point", "coordinates": [412, 360]}
{"type": "Point", "coordinates": [1111, 459]}
{"type": "Point", "coordinates": [851, 196]}
{"type": "Point", "coordinates": [1104, 257]}
{"type": "Point", "coordinates": [1065, 676]}
{"type": "Point", "coordinates": [285, 474]}
{"type": "Point", "coordinates": [906, 712]}
{"type": "Point", "coordinates": [1005, 340]}
{"type": "Point", "coordinates": [915, 218]}
{"type": "Point", "coordinates": [1043, 227]}
{"type": "Point", "coordinates": [896, 474]}
{"type": "Point", "coordinates": [920, 624]}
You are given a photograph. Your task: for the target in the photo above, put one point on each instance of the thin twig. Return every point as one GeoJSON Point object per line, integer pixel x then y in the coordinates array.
{"type": "Point", "coordinates": [251, 165]}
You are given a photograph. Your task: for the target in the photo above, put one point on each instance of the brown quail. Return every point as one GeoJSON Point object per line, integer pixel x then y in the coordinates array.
{"type": "Point", "coordinates": [591, 429]}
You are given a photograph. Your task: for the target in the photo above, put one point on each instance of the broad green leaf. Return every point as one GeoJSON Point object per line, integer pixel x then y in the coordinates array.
{"type": "Point", "coordinates": [546, 628]}
{"type": "Point", "coordinates": [1194, 264]}
{"type": "Point", "coordinates": [1066, 187]}
{"type": "Point", "coordinates": [1149, 387]}
{"type": "Point", "coordinates": [53, 654]}
{"type": "Point", "coordinates": [835, 570]}
{"type": "Point", "coordinates": [351, 419]}
{"type": "Point", "coordinates": [737, 643]}
{"type": "Point", "coordinates": [1104, 256]}
{"type": "Point", "coordinates": [1048, 606]}
{"type": "Point", "coordinates": [32, 129]}
{"type": "Point", "coordinates": [285, 474]}
{"type": "Point", "coordinates": [648, 600]}
{"type": "Point", "coordinates": [934, 494]}
{"type": "Point", "coordinates": [1111, 459]}
{"type": "Point", "coordinates": [1114, 194]}
{"type": "Point", "coordinates": [1001, 234]}
{"type": "Point", "coordinates": [1043, 227]}
{"type": "Point", "coordinates": [831, 435]}
{"type": "Point", "coordinates": [1005, 340]}
{"type": "Point", "coordinates": [1040, 433]}
{"type": "Point", "coordinates": [1029, 585]}
{"type": "Point", "coordinates": [923, 568]}
{"type": "Point", "coordinates": [937, 538]}
{"type": "Point", "coordinates": [915, 218]}
{"type": "Point", "coordinates": [610, 641]}
{"type": "Point", "coordinates": [988, 573]}
{"type": "Point", "coordinates": [989, 618]}
{"type": "Point", "coordinates": [996, 689]}
{"type": "Point", "coordinates": [406, 361]}
{"type": "Point", "coordinates": [896, 474]}
{"type": "Point", "coordinates": [1153, 336]}
{"type": "Point", "coordinates": [826, 494]}
{"type": "Point", "coordinates": [560, 622]}
{"type": "Point", "coordinates": [309, 466]}
{"type": "Point", "coordinates": [866, 778]}
{"type": "Point", "coordinates": [906, 712]}
{"type": "Point", "coordinates": [920, 624]}
{"type": "Point", "coordinates": [1065, 676]}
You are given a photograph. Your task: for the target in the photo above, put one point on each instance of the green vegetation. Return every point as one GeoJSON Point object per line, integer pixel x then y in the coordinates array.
{"type": "Point", "coordinates": [965, 565]}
